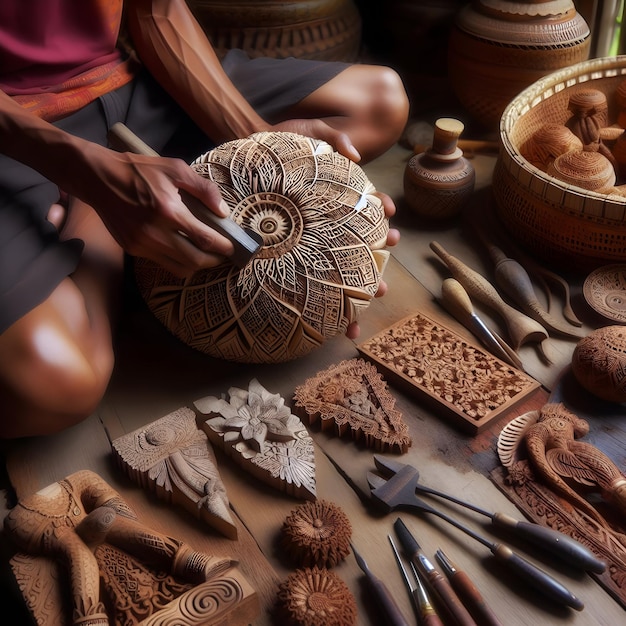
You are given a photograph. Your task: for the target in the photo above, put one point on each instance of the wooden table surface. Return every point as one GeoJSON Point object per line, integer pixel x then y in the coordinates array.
{"type": "Point", "coordinates": [155, 374]}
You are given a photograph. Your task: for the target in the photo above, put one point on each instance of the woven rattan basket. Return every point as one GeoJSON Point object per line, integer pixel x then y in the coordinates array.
{"type": "Point", "coordinates": [563, 224]}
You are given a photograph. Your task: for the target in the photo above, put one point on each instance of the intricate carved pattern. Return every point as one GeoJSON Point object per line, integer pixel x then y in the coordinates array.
{"type": "Point", "coordinates": [605, 291]}
{"type": "Point", "coordinates": [317, 534]}
{"type": "Point", "coordinates": [353, 397]}
{"type": "Point", "coordinates": [440, 366]}
{"type": "Point", "coordinates": [550, 439]}
{"type": "Point", "coordinates": [173, 458]}
{"type": "Point", "coordinates": [79, 533]}
{"type": "Point", "coordinates": [321, 261]}
{"type": "Point", "coordinates": [208, 603]}
{"type": "Point", "coordinates": [261, 434]}
{"type": "Point", "coordinates": [316, 596]}
{"type": "Point", "coordinates": [599, 363]}
{"type": "Point", "coordinates": [529, 480]}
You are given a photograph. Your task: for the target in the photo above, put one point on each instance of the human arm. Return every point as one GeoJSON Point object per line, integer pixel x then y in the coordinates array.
{"type": "Point", "coordinates": [136, 196]}
{"type": "Point", "coordinates": [172, 45]}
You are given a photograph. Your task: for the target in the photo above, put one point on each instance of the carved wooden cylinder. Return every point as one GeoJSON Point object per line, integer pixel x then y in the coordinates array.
{"type": "Point", "coordinates": [499, 47]}
{"type": "Point", "coordinates": [320, 264]}
{"type": "Point", "coordinates": [328, 30]}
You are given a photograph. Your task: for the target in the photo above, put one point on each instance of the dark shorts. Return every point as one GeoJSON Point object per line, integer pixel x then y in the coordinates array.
{"type": "Point", "coordinates": [33, 261]}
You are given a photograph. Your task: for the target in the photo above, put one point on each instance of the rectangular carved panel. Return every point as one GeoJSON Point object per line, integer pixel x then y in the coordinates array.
{"type": "Point", "coordinates": [469, 385]}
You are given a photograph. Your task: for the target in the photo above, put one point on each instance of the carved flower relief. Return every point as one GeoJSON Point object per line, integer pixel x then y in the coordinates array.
{"type": "Point", "coordinates": [253, 417]}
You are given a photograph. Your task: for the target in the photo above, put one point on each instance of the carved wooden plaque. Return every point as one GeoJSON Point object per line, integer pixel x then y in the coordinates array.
{"type": "Point", "coordinates": [321, 261]}
{"type": "Point", "coordinates": [83, 557]}
{"type": "Point", "coordinates": [539, 452]}
{"type": "Point", "coordinates": [466, 383]}
{"type": "Point", "coordinates": [173, 458]}
{"type": "Point", "coordinates": [263, 436]}
{"type": "Point", "coordinates": [352, 398]}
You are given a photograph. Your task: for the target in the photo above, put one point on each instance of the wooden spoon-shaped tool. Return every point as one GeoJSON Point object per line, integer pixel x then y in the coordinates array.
{"type": "Point", "coordinates": [522, 329]}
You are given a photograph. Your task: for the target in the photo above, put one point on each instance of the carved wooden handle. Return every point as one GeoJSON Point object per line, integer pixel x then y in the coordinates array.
{"type": "Point", "coordinates": [515, 282]}
{"type": "Point", "coordinates": [522, 328]}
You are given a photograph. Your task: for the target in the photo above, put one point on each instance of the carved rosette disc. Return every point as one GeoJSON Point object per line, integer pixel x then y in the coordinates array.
{"type": "Point", "coordinates": [317, 534]}
{"type": "Point", "coordinates": [315, 597]}
{"type": "Point", "coordinates": [320, 263]}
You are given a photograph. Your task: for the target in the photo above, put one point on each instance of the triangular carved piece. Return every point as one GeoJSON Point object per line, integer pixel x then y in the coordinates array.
{"type": "Point", "coordinates": [353, 398]}
{"type": "Point", "coordinates": [264, 437]}
{"type": "Point", "coordinates": [173, 458]}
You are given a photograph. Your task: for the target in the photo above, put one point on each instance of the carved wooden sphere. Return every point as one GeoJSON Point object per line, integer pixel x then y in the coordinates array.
{"type": "Point", "coordinates": [599, 363]}
{"type": "Point", "coordinates": [320, 264]}
{"type": "Point", "coordinates": [589, 170]}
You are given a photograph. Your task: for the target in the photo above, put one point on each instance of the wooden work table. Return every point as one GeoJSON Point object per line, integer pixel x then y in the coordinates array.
{"type": "Point", "coordinates": [155, 374]}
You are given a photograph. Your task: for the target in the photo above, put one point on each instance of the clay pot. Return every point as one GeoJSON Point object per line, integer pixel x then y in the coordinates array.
{"type": "Point", "coordinates": [499, 47]}
{"type": "Point", "coordinates": [328, 30]}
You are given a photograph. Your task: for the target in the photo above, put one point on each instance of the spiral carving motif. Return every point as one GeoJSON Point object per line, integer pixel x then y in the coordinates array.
{"type": "Point", "coordinates": [193, 608]}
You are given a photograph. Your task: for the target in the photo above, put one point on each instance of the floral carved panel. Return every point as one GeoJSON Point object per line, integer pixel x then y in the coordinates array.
{"type": "Point", "coordinates": [460, 379]}
{"type": "Point", "coordinates": [262, 435]}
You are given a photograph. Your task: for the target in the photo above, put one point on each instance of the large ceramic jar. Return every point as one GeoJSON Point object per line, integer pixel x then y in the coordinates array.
{"type": "Point", "coordinates": [497, 48]}
{"type": "Point", "coordinates": [328, 30]}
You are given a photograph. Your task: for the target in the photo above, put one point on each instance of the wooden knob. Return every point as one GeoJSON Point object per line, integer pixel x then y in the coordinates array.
{"type": "Point", "coordinates": [446, 136]}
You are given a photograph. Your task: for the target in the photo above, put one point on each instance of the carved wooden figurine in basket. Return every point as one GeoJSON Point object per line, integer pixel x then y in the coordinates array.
{"type": "Point", "coordinates": [86, 559]}
{"type": "Point", "coordinates": [323, 229]}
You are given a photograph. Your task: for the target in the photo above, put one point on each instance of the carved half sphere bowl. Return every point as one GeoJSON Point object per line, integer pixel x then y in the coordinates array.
{"type": "Point", "coordinates": [321, 261]}
{"type": "Point", "coordinates": [562, 223]}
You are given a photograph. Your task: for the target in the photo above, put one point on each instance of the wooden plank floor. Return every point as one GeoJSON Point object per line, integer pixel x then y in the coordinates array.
{"type": "Point", "coordinates": [155, 374]}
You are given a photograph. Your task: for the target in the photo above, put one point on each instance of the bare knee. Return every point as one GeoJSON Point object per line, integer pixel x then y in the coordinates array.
{"type": "Point", "coordinates": [50, 385]}
{"type": "Point", "coordinates": [389, 106]}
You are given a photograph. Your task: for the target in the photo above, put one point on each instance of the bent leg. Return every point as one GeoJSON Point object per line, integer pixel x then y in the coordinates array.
{"type": "Point", "coordinates": [368, 102]}
{"type": "Point", "coordinates": [56, 360]}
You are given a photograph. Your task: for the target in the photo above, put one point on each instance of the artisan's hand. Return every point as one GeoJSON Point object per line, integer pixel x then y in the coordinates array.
{"type": "Point", "coordinates": [393, 236]}
{"type": "Point", "coordinates": [138, 199]}
{"type": "Point", "coordinates": [321, 130]}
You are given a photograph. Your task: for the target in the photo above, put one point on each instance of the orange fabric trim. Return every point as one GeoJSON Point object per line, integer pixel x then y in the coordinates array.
{"type": "Point", "coordinates": [79, 91]}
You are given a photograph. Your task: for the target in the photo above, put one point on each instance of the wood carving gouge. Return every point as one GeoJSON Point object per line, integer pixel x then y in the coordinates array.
{"type": "Point", "coordinates": [247, 243]}
{"type": "Point", "coordinates": [399, 493]}
{"type": "Point", "coordinates": [558, 544]}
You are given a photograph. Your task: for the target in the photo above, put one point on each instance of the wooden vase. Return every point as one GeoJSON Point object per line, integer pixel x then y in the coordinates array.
{"type": "Point", "coordinates": [439, 181]}
{"type": "Point", "coordinates": [328, 30]}
{"type": "Point", "coordinates": [499, 47]}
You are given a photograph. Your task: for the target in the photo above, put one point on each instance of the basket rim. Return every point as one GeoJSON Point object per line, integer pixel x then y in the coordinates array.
{"type": "Point", "coordinates": [541, 90]}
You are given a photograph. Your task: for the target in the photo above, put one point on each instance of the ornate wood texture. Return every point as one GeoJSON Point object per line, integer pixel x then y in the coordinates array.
{"type": "Point", "coordinates": [469, 385]}
{"type": "Point", "coordinates": [316, 596]}
{"type": "Point", "coordinates": [328, 30]}
{"type": "Point", "coordinates": [320, 264]}
{"type": "Point", "coordinates": [549, 473]}
{"type": "Point", "coordinates": [317, 534]}
{"type": "Point", "coordinates": [352, 398]}
{"type": "Point", "coordinates": [599, 363]}
{"type": "Point", "coordinates": [173, 458]}
{"type": "Point", "coordinates": [84, 558]}
{"type": "Point", "coordinates": [605, 292]}
{"type": "Point", "coordinates": [263, 436]}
